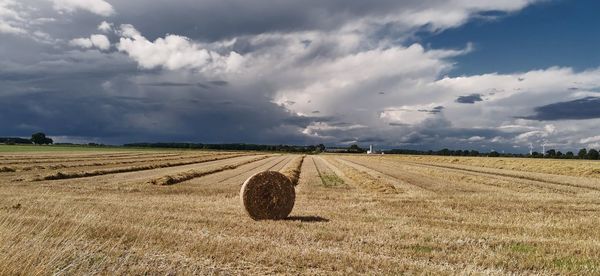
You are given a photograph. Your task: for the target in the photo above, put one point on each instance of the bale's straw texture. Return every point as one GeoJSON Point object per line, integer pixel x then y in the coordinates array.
{"type": "Point", "coordinates": [268, 195]}
{"type": "Point", "coordinates": [293, 170]}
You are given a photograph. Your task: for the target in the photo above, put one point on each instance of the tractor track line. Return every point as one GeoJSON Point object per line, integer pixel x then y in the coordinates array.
{"type": "Point", "coordinates": [504, 175]}
{"type": "Point", "coordinates": [34, 161]}
{"type": "Point", "coordinates": [109, 163]}
{"type": "Point", "coordinates": [169, 180]}
{"type": "Point", "coordinates": [318, 170]}
{"type": "Point", "coordinates": [495, 187]}
{"type": "Point", "coordinates": [251, 169]}
{"type": "Point", "coordinates": [409, 180]}
{"type": "Point", "coordinates": [288, 159]}
{"type": "Point", "coordinates": [549, 187]}
{"type": "Point", "coordinates": [84, 174]}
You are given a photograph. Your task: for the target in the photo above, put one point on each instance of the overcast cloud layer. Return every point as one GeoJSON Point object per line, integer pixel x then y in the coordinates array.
{"type": "Point", "coordinates": [264, 71]}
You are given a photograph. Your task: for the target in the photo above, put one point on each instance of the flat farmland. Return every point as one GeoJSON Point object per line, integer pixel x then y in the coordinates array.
{"type": "Point", "coordinates": [179, 212]}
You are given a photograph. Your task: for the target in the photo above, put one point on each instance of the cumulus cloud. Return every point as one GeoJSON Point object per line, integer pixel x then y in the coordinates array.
{"type": "Point", "coordinates": [6, 27]}
{"type": "Point", "coordinates": [256, 17]}
{"type": "Point", "coordinates": [410, 115]}
{"type": "Point", "coordinates": [593, 139]}
{"type": "Point", "coordinates": [476, 139]}
{"type": "Point", "coordinates": [105, 27]}
{"type": "Point", "coordinates": [97, 40]}
{"type": "Point", "coordinates": [99, 7]}
{"type": "Point", "coordinates": [297, 72]}
{"type": "Point", "coordinates": [11, 20]}
{"type": "Point", "coordinates": [173, 52]}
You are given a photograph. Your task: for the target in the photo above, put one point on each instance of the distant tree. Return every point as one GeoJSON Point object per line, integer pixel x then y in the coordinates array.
{"type": "Point", "coordinates": [559, 154]}
{"type": "Point", "coordinates": [41, 139]}
{"type": "Point", "coordinates": [582, 154]}
{"type": "Point", "coordinates": [569, 154]}
{"type": "Point", "coordinates": [474, 153]}
{"type": "Point", "coordinates": [494, 154]}
{"type": "Point", "coordinates": [355, 148]}
{"type": "Point", "coordinates": [551, 153]}
{"type": "Point", "coordinates": [593, 154]}
{"type": "Point", "coordinates": [321, 147]}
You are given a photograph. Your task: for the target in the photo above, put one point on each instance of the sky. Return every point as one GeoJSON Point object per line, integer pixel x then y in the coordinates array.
{"type": "Point", "coordinates": [416, 74]}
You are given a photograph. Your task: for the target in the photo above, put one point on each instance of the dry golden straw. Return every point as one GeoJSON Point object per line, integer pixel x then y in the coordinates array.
{"type": "Point", "coordinates": [270, 195]}
{"type": "Point", "coordinates": [293, 171]}
{"type": "Point", "coordinates": [191, 174]}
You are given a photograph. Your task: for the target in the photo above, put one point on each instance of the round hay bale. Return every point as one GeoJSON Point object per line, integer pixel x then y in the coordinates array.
{"type": "Point", "coordinates": [268, 195]}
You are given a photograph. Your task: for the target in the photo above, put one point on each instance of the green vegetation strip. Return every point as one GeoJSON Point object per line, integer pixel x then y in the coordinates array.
{"type": "Point", "coordinates": [331, 180]}
{"type": "Point", "coordinates": [168, 180]}
{"type": "Point", "coordinates": [81, 174]}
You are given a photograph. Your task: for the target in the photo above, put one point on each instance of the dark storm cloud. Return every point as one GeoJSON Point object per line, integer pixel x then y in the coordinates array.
{"type": "Point", "coordinates": [371, 140]}
{"type": "Point", "coordinates": [470, 99]}
{"type": "Point", "coordinates": [53, 87]}
{"type": "Point", "coordinates": [156, 116]}
{"type": "Point", "coordinates": [581, 109]}
{"type": "Point", "coordinates": [102, 96]}
{"type": "Point", "coordinates": [206, 85]}
{"type": "Point", "coordinates": [435, 110]}
{"type": "Point", "coordinates": [305, 121]}
{"type": "Point", "coordinates": [174, 84]}
{"type": "Point", "coordinates": [217, 19]}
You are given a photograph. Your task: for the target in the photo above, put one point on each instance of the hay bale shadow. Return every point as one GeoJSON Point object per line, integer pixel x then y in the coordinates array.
{"type": "Point", "coordinates": [310, 219]}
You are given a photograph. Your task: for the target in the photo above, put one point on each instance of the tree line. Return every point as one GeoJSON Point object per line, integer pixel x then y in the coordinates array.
{"type": "Point", "coordinates": [233, 146]}
{"type": "Point", "coordinates": [591, 154]}
{"type": "Point", "coordinates": [38, 138]}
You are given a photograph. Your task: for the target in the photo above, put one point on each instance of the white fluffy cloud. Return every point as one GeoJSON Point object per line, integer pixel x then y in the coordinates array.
{"type": "Point", "coordinates": [105, 27]}
{"type": "Point", "coordinates": [97, 40]}
{"type": "Point", "coordinates": [346, 76]}
{"type": "Point", "coordinates": [99, 7]}
{"type": "Point", "coordinates": [443, 14]}
{"type": "Point", "coordinates": [6, 27]}
{"type": "Point", "coordinates": [11, 20]}
{"type": "Point", "coordinates": [174, 52]}
{"type": "Point", "coordinates": [381, 88]}
{"type": "Point", "coordinates": [21, 19]}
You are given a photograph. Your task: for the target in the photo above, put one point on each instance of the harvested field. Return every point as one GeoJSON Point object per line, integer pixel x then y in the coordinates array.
{"type": "Point", "coordinates": [191, 174]}
{"type": "Point", "coordinates": [80, 174]}
{"type": "Point", "coordinates": [292, 171]}
{"type": "Point", "coordinates": [354, 214]}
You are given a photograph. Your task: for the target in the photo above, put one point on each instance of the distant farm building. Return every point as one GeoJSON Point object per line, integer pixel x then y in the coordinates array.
{"type": "Point", "coordinates": [373, 151]}
{"type": "Point", "coordinates": [336, 150]}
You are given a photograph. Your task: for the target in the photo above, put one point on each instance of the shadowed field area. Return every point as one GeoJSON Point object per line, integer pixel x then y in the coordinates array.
{"type": "Point", "coordinates": [353, 214]}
